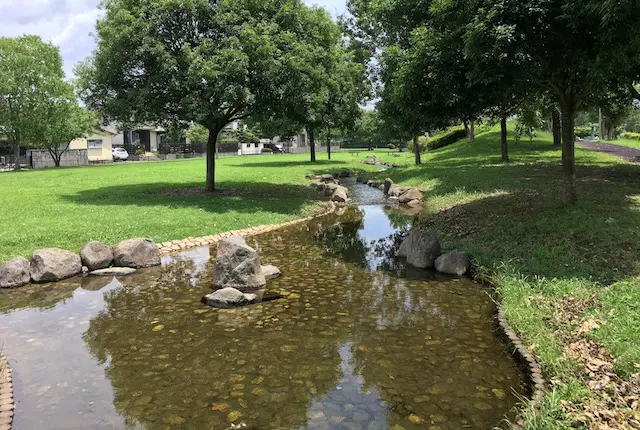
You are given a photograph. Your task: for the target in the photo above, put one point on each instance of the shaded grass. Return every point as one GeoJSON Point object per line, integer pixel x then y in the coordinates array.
{"type": "Point", "coordinates": [626, 142]}
{"type": "Point", "coordinates": [512, 218]}
{"type": "Point", "coordinates": [67, 207]}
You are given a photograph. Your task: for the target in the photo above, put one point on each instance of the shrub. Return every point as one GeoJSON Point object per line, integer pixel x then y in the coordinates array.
{"type": "Point", "coordinates": [391, 146]}
{"type": "Point", "coordinates": [228, 145]}
{"type": "Point", "coordinates": [267, 150]}
{"type": "Point", "coordinates": [631, 136]}
{"type": "Point", "coordinates": [583, 132]}
{"type": "Point", "coordinates": [452, 135]}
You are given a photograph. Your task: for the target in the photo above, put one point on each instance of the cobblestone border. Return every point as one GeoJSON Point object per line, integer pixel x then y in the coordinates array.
{"type": "Point", "coordinates": [534, 371]}
{"type": "Point", "coordinates": [174, 246]}
{"type": "Point", "coordinates": [7, 404]}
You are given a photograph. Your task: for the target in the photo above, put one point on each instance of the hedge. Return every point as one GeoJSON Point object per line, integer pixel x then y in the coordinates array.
{"type": "Point", "coordinates": [583, 132]}
{"type": "Point", "coordinates": [631, 136]}
{"type": "Point", "coordinates": [449, 137]}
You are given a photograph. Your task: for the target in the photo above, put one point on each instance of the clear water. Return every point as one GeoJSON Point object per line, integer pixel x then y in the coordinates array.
{"type": "Point", "coordinates": [358, 342]}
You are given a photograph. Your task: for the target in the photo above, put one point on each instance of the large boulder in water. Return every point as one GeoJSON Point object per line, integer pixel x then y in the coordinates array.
{"type": "Point", "coordinates": [453, 263]}
{"type": "Point", "coordinates": [96, 255]}
{"type": "Point", "coordinates": [228, 297]}
{"type": "Point", "coordinates": [15, 273]}
{"type": "Point", "coordinates": [136, 253]}
{"type": "Point", "coordinates": [409, 195]}
{"type": "Point", "coordinates": [237, 265]}
{"type": "Point", "coordinates": [53, 264]}
{"type": "Point", "coordinates": [340, 195]}
{"type": "Point", "coordinates": [420, 249]}
{"type": "Point", "coordinates": [388, 183]}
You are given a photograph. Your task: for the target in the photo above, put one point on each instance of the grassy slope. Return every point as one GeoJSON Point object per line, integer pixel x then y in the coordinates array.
{"type": "Point", "coordinates": [512, 218]}
{"type": "Point", "coordinates": [68, 207]}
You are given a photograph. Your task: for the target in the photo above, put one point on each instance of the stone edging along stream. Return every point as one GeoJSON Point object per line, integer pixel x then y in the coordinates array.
{"type": "Point", "coordinates": [520, 352]}
{"type": "Point", "coordinates": [6, 394]}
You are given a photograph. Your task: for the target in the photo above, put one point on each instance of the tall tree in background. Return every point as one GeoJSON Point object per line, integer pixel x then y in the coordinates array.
{"type": "Point", "coordinates": [31, 82]}
{"type": "Point", "coordinates": [202, 61]}
{"type": "Point", "coordinates": [66, 121]}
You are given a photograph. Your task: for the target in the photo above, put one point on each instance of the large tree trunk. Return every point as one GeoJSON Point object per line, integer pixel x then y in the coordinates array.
{"type": "Point", "coordinates": [416, 149]}
{"type": "Point", "coordinates": [312, 145]}
{"type": "Point", "coordinates": [568, 107]}
{"type": "Point", "coordinates": [556, 127]}
{"type": "Point", "coordinates": [472, 131]}
{"type": "Point", "coordinates": [16, 155]}
{"type": "Point", "coordinates": [214, 130]}
{"type": "Point", "coordinates": [503, 137]}
{"type": "Point", "coordinates": [328, 145]}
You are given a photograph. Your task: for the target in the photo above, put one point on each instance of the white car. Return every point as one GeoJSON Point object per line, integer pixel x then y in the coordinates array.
{"type": "Point", "coordinates": [119, 154]}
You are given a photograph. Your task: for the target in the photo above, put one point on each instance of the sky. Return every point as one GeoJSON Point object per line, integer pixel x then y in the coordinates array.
{"type": "Point", "coordinates": [69, 24]}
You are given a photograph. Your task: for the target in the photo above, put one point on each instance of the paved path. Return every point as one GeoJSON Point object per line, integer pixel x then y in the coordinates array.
{"type": "Point", "coordinates": [630, 154]}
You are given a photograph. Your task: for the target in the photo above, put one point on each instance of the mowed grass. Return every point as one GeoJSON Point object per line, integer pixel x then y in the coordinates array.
{"type": "Point", "coordinates": [545, 254]}
{"type": "Point", "coordinates": [67, 207]}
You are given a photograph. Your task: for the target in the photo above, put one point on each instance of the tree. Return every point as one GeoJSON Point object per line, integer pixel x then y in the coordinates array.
{"type": "Point", "coordinates": [65, 122]}
{"type": "Point", "coordinates": [201, 61]}
{"type": "Point", "coordinates": [31, 80]}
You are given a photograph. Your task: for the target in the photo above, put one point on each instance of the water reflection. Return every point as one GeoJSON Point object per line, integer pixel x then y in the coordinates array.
{"type": "Point", "coordinates": [350, 346]}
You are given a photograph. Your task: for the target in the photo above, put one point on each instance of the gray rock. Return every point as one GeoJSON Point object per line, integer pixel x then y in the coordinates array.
{"type": "Point", "coordinates": [371, 183]}
{"type": "Point", "coordinates": [327, 178]}
{"type": "Point", "coordinates": [15, 273]}
{"type": "Point", "coordinates": [114, 271]}
{"type": "Point", "coordinates": [96, 255]}
{"type": "Point", "coordinates": [410, 194]}
{"type": "Point", "coordinates": [414, 204]}
{"type": "Point", "coordinates": [53, 264]}
{"type": "Point", "coordinates": [387, 185]}
{"type": "Point", "coordinates": [395, 191]}
{"type": "Point", "coordinates": [270, 272]}
{"type": "Point", "coordinates": [453, 263]}
{"type": "Point", "coordinates": [340, 195]}
{"type": "Point", "coordinates": [420, 249]}
{"type": "Point", "coordinates": [237, 265]}
{"type": "Point", "coordinates": [85, 270]}
{"type": "Point", "coordinates": [329, 189]}
{"type": "Point", "coordinates": [136, 253]}
{"type": "Point", "coordinates": [228, 297]}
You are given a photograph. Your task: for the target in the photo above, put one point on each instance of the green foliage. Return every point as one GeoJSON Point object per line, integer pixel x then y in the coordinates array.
{"type": "Point", "coordinates": [228, 144]}
{"type": "Point", "coordinates": [197, 134]}
{"type": "Point", "coordinates": [451, 136]}
{"type": "Point", "coordinates": [584, 132]}
{"type": "Point", "coordinates": [631, 136]}
{"type": "Point", "coordinates": [31, 84]}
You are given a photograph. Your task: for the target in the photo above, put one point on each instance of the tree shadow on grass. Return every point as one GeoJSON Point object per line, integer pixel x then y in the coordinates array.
{"type": "Point", "coordinates": [246, 197]}
{"type": "Point", "coordinates": [517, 215]}
{"type": "Point", "coordinates": [281, 164]}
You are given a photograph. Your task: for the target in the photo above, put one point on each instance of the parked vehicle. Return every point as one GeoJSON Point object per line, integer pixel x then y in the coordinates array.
{"type": "Point", "coordinates": [274, 148]}
{"type": "Point", "coordinates": [119, 154]}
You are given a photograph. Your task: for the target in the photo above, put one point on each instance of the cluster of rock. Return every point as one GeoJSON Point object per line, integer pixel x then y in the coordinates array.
{"type": "Point", "coordinates": [238, 275]}
{"type": "Point", "coordinates": [95, 258]}
{"type": "Point", "coordinates": [329, 186]}
{"type": "Point", "coordinates": [372, 160]}
{"type": "Point", "coordinates": [423, 250]}
{"type": "Point", "coordinates": [410, 196]}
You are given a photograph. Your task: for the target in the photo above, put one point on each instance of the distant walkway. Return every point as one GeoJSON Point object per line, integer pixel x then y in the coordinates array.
{"type": "Point", "coordinates": [629, 154]}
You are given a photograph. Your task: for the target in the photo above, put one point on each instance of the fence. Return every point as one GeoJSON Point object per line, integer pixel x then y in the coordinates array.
{"type": "Point", "coordinates": [40, 158]}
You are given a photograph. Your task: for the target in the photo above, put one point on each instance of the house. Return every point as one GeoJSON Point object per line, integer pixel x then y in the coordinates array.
{"type": "Point", "coordinates": [149, 137]}
{"type": "Point", "coordinates": [98, 146]}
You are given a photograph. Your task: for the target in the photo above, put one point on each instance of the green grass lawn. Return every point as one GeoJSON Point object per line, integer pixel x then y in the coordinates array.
{"type": "Point", "coordinates": [67, 207]}
{"type": "Point", "coordinates": [557, 265]}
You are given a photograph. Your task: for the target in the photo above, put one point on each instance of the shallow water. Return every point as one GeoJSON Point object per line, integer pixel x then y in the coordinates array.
{"type": "Point", "coordinates": [358, 342]}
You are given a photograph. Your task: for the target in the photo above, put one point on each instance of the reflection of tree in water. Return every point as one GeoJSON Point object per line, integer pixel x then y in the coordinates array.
{"type": "Point", "coordinates": [260, 364]}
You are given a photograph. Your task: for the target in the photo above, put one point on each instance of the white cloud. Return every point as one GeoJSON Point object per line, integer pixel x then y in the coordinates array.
{"type": "Point", "coordinates": [70, 23]}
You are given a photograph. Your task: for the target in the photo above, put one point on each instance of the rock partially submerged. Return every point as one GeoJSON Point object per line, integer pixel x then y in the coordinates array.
{"type": "Point", "coordinates": [388, 183]}
{"type": "Point", "coordinates": [453, 263]}
{"type": "Point", "coordinates": [270, 272]}
{"type": "Point", "coordinates": [54, 264]}
{"type": "Point", "coordinates": [228, 298]}
{"type": "Point", "coordinates": [96, 255]}
{"type": "Point", "coordinates": [15, 273]}
{"type": "Point", "coordinates": [114, 271]}
{"type": "Point", "coordinates": [410, 195]}
{"type": "Point", "coordinates": [420, 249]}
{"type": "Point", "coordinates": [237, 265]}
{"type": "Point", "coordinates": [136, 253]}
